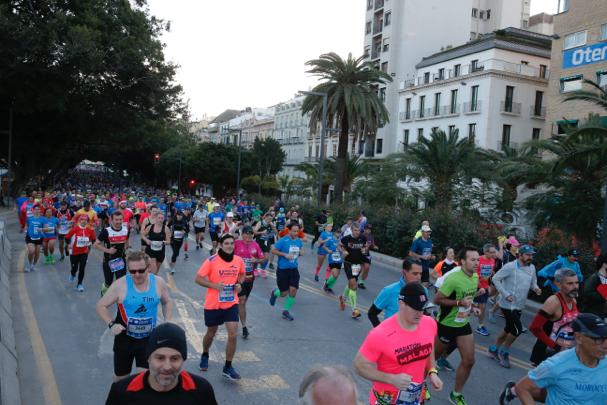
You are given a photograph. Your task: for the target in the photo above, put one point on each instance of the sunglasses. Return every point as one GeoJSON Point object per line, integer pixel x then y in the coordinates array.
{"type": "Point", "coordinates": [142, 271]}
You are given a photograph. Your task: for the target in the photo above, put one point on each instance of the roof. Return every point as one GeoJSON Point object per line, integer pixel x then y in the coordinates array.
{"type": "Point", "coordinates": [511, 39]}
{"type": "Point", "coordinates": [225, 116]}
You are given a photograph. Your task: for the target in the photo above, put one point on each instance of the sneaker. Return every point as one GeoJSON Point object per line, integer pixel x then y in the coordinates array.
{"type": "Point", "coordinates": [316, 278]}
{"type": "Point", "coordinates": [493, 353]}
{"type": "Point", "coordinates": [172, 271]}
{"type": "Point", "coordinates": [443, 364]}
{"type": "Point", "coordinates": [186, 257]}
{"type": "Point", "coordinates": [272, 298]}
{"type": "Point", "coordinates": [62, 258]}
{"type": "Point", "coordinates": [27, 268]}
{"type": "Point", "coordinates": [230, 373]}
{"type": "Point", "coordinates": [524, 330]}
{"type": "Point", "coordinates": [505, 359]}
{"type": "Point", "coordinates": [506, 396]}
{"type": "Point", "coordinates": [342, 303]}
{"type": "Point", "coordinates": [204, 363]}
{"type": "Point", "coordinates": [500, 314]}
{"type": "Point", "coordinates": [481, 330]}
{"type": "Point", "coordinates": [197, 247]}
{"type": "Point", "coordinates": [71, 278]}
{"type": "Point", "coordinates": [51, 260]}
{"type": "Point", "coordinates": [256, 273]}
{"type": "Point", "coordinates": [325, 288]}
{"type": "Point", "coordinates": [286, 315]}
{"type": "Point", "coordinates": [356, 314]}
{"type": "Point", "coordinates": [80, 288]}
{"type": "Point", "coordinates": [457, 399]}
{"type": "Point", "coordinates": [362, 286]}
{"type": "Point", "coordinates": [245, 332]}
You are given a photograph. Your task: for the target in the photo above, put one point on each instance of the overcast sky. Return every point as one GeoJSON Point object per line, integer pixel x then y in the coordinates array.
{"type": "Point", "coordinates": [251, 53]}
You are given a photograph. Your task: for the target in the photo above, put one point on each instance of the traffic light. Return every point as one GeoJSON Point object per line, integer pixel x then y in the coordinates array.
{"type": "Point", "coordinates": [156, 158]}
{"type": "Point", "coordinates": [192, 183]}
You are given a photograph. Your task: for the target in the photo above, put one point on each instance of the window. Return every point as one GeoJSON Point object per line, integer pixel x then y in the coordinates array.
{"type": "Point", "coordinates": [384, 67]}
{"type": "Point", "coordinates": [367, 51]}
{"type": "Point", "coordinates": [488, 14]}
{"type": "Point", "coordinates": [601, 79]}
{"type": "Point", "coordinates": [506, 135]}
{"type": "Point", "coordinates": [368, 27]}
{"type": "Point", "coordinates": [604, 31]}
{"type": "Point", "coordinates": [437, 104]}
{"type": "Point", "coordinates": [524, 62]}
{"type": "Point", "coordinates": [539, 100]}
{"type": "Point", "coordinates": [426, 77]}
{"type": "Point", "coordinates": [535, 135]}
{"type": "Point", "coordinates": [566, 125]}
{"type": "Point", "coordinates": [509, 98]}
{"type": "Point", "coordinates": [543, 71]}
{"type": "Point", "coordinates": [406, 137]}
{"type": "Point", "coordinates": [575, 39]}
{"type": "Point", "coordinates": [422, 106]}
{"type": "Point", "coordinates": [386, 47]}
{"type": "Point", "coordinates": [452, 129]}
{"type": "Point", "coordinates": [310, 151]}
{"type": "Point", "coordinates": [317, 150]}
{"type": "Point", "coordinates": [571, 83]}
{"type": "Point", "coordinates": [441, 74]}
{"type": "Point", "coordinates": [475, 12]}
{"type": "Point", "coordinates": [481, 14]}
{"type": "Point", "coordinates": [369, 4]}
{"type": "Point", "coordinates": [472, 132]}
{"type": "Point", "coordinates": [434, 129]}
{"type": "Point", "coordinates": [334, 149]}
{"type": "Point", "coordinates": [474, 98]}
{"type": "Point", "coordinates": [380, 146]}
{"type": "Point", "coordinates": [457, 70]}
{"type": "Point", "coordinates": [563, 6]}
{"type": "Point", "coordinates": [382, 94]}
{"type": "Point", "coordinates": [387, 18]}
{"type": "Point", "coordinates": [420, 133]}
{"type": "Point", "coordinates": [472, 36]}
{"type": "Point", "coordinates": [408, 108]}
{"type": "Point", "coordinates": [474, 65]}
{"type": "Point", "coordinates": [453, 106]}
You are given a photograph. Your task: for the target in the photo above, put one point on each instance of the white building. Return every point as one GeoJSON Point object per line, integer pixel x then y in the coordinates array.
{"type": "Point", "coordinates": [399, 33]}
{"type": "Point", "coordinates": [251, 121]}
{"type": "Point", "coordinates": [291, 130]}
{"type": "Point", "coordinates": [542, 24]}
{"type": "Point", "coordinates": [491, 89]}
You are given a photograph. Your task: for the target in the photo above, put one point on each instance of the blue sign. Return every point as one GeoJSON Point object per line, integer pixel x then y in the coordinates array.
{"type": "Point", "coordinates": [585, 55]}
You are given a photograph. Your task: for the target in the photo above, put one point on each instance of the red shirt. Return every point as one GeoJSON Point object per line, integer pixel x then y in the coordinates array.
{"type": "Point", "coordinates": [81, 239]}
{"type": "Point", "coordinates": [485, 270]}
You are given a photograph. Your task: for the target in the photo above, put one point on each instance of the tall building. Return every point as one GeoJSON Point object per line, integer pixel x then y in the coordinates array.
{"type": "Point", "coordinates": [542, 24]}
{"type": "Point", "coordinates": [579, 52]}
{"type": "Point", "coordinates": [291, 131]}
{"type": "Point", "coordinates": [399, 33]}
{"type": "Point", "coordinates": [491, 90]}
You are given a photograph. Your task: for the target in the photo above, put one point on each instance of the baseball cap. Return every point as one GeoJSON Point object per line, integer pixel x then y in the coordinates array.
{"type": "Point", "coordinates": [414, 295]}
{"type": "Point", "coordinates": [426, 228]}
{"type": "Point", "coordinates": [247, 229]}
{"type": "Point", "coordinates": [513, 241]}
{"type": "Point", "coordinates": [230, 215]}
{"type": "Point", "coordinates": [590, 325]}
{"type": "Point", "coordinates": [526, 249]}
{"type": "Point", "coordinates": [167, 335]}
{"type": "Point", "coordinates": [573, 252]}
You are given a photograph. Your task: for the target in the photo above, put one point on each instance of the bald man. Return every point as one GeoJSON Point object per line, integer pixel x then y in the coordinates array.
{"type": "Point", "coordinates": [328, 386]}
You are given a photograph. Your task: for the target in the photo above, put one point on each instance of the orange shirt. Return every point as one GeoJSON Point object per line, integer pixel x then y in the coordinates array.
{"type": "Point", "coordinates": [286, 231]}
{"type": "Point", "coordinates": [217, 270]}
{"type": "Point", "coordinates": [90, 213]}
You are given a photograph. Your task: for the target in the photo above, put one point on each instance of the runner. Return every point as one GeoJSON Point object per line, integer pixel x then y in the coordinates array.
{"type": "Point", "coordinates": [252, 255]}
{"type": "Point", "coordinates": [166, 382]}
{"type": "Point", "coordinates": [157, 237]}
{"type": "Point", "coordinates": [367, 260]}
{"type": "Point", "coordinates": [319, 226]}
{"type": "Point", "coordinates": [572, 376]}
{"type": "Point", "coordinates": [398, 355]}
{"type": "Point", "coordinates": [50, 236]}
{"type": "Point", "coordinates": [335, 261]}
{"type": "Point", "coordinates": [595, 289]}
{"type": "Point", "coordinates": [112, 242]}
{"type": "Point", "coordinates": [421, 249]}
{"type": "Point", "coordinates": [200, 220]}
{"type": "Point", "coordinates": [33, 237]}
{"type": "Point", "coordinates": [86, 210]}
{"type": "Point", "coordinates": [64, 215]}
{"type": "Point", "coordinates": [137, 297]}
{"type": "Point", "coordinates": [552, 323]}
{"type": "Point", "coordinates": [81, 239]}
{"type": "Point", "coordinates": [288, 249]}
{"type": "Point", "coordinates": [323, 238]}
{"type": "Point", "coordinates": [146, 221]}
{"type": "Point", "coordinates": [569, 261]}
{"type": "Point", "coordinates": [222, 275]}
{"type": "Point", "coordinates": [513, 282]}
{"type": "Point", "coordinates": [387, 299]}
{"type": "Point", "coordinates": [353, 249]}
{"type": "Point", "coordinates": [215, 223]}
{"type": "Point", "coordinates": [444, 266]}
{"type": "Point", "coordinates": [455, 298]}
{"type": "Point", "coordinates": [179, 228]}
{"type": "Point", "coordinates": [265, 232]}
{"type": "Point", "coordinates": [485, 271]}
{"type": "Point", "coordinates": [229, 226]}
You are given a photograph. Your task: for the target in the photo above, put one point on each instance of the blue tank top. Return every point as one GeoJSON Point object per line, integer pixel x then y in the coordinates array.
{"type": "Point", "coordinates": [139, 310]}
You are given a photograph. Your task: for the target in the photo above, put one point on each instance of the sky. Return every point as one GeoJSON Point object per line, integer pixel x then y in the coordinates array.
{"type": "Point", "coordinates": [251, 53]}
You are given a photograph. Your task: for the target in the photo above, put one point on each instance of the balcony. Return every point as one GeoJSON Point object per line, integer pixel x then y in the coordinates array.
{"type": "Point", "coordinates": [501, 145]}
{"type": "Point", "coordinates": [538, 112]}
{"type": "Point", "coordinates": [312, 159]}
{"type": "Point", "coordinates": [472, 108]}
{"type": "Point", "coordinates": [379, 4]}
{"type": "Point", "coordinates": [405, 116]}
{"type": "Point", "coordinates": [375, 52]}
{"type": "Point", "coordinates": [510, 108]}
{"type": "Point", "coordinates": [449, 110]}
{"type": "Point", "coordinates": [377, 27]}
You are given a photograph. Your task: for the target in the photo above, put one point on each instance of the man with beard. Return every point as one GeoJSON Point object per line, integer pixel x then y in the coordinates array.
{"type": "Point", "coordinates": [552, 323]}
{"type": "Point", "coordinates": [165, 382]}
{"type": "Point", "coordinates": [513, 281]}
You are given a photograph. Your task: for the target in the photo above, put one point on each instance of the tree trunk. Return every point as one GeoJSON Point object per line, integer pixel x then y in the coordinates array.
{"type": "Point", "coordinates": [340, 162]}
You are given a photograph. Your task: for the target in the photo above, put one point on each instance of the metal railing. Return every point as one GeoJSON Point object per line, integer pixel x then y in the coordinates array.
{"type": "Point", "coordinates": [404, 116]}
{"type": "Point", "coordinates": [470, 107]}
{"type": "Point", "coordinates": [377, 26]}
{"type": "Point", "coordinates": [510, 108]}
{"type": "Point", "coordinates": [512, 145]}
{"type": "Point", "coordinates": [538, 111]}
{"type": "Point", "coordinates": [379, 4]}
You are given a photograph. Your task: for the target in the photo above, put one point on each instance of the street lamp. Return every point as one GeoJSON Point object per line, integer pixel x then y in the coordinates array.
{"type": "Point", "coordinates": [239, 131]}
{"type": "Point", "coordinates": [323, 133]}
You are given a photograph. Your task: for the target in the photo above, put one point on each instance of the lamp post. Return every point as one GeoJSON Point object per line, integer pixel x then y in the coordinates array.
{"type": "Point", "coordinates": [323, 133]}
{"type": "Point", "coordinates": [239, 131]}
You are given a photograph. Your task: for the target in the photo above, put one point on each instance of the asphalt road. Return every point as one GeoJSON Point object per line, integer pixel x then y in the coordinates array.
{"type": "Point", "coordinates": [65, 351]}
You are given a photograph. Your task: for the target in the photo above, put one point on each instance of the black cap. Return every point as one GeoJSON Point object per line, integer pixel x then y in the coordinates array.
{"type": "Point", "coordinates": [247, 229]}
{"type": "Point", "coordinates": [167, 335]}
{"type": "Point", "coordinates": [573, 252]}
{"type": "Point", "coordinates": [590, 325]}
{"type": "Point", "coordinates": [86, 203]}
{"type": "Point", "coordinates": [414, 295]}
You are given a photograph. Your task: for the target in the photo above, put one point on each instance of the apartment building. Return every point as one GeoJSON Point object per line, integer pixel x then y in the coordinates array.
{"type": "Point", "coordinates": [291, 131]}
{"type": "Point", "coordinates": [399, 33]}
{"type": "Point", "coordinates": [491, 90]}
{"type": "Point", "coordinates": [579, 52]}
{"type": "Point", "coordinates": [251, 122]}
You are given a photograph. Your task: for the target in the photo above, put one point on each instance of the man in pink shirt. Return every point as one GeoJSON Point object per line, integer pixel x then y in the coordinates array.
{"type": "Point", "coordinates": [399, 353]}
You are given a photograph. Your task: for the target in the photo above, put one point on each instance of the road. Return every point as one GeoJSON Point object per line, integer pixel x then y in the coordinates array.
{"type": "Point", "coordinates": [65, 351]}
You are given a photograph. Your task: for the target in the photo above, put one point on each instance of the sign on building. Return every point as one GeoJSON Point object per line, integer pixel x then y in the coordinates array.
{"type": "Point", "coordinates": [585, 55]}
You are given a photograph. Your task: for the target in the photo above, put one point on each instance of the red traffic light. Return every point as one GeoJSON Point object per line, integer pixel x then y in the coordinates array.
{"type": "Point", "coordinates": [192, 182]}
{"type": "Point", "coordinates": [156, 157]}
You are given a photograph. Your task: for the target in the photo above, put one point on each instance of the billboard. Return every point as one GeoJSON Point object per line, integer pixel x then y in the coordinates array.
{"type": "Point", "coordinates": [585, 55]}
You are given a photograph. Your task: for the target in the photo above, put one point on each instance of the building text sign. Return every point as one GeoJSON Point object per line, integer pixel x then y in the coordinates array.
{"type": "Point", "coordinates": [585, 55]}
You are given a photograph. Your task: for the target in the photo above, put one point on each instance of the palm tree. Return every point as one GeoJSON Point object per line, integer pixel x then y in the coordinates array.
{"type": "Point", "coordinates": [355, 168]}
{"type": "Point", "coordinates": [353, 103]}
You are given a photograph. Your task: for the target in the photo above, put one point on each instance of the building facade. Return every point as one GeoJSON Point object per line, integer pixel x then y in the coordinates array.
{"type": "Point", "coordinates": [399, 33]}
{"type": "Point", "coordinates": [491, 90]}
{"type": "Point", "coordinates": [291, 130]}
{"type": "Point", "coordinates": [542, 24]}
{"type": "Point", "coordinates": [579, 52]}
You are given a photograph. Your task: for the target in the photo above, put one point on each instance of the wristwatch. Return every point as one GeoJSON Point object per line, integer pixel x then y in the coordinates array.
{"type": "Point", "coordinates": [112, 323]}
{"type": "Point", "coordinates": [433, 370]}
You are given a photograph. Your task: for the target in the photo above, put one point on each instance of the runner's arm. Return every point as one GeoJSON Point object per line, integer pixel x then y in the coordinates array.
{"type": "Point", "coordinates": [369, 370]}
{"type": "Point", "coordinates": [165, 300]}
{"type": "Point", "coordinates": [525, 389]}
{"type": "Point", "coordinates": [373, 315]}
{"type": "Point", "coordinates": [168, 232]}
{"type": "Point", "coordinates": [543, 316]}
{"type": "Point", "coordinates": [205, 282]}
{"type": "Point", "coordinates": [109, 298]}
{"type": "Point", "coordinates": [441, 300]}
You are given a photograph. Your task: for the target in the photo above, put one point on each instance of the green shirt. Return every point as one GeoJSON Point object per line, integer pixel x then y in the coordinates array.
{"type": "Point", "coordinates": [457, 286]}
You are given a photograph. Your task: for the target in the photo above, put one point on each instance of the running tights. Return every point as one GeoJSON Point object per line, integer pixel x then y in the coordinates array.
{"type": "Point", "coordinates": [78, 264]}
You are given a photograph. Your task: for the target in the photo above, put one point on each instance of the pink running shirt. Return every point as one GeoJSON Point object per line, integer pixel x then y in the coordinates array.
{"type": "Point", "coordinates": [248, 251]}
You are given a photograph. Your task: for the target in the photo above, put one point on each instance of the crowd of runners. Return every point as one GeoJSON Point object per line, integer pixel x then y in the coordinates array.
{"type": "Point", "coordinates": [426, 313]}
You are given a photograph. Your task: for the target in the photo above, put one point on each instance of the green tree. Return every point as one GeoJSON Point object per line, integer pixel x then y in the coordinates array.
{"type": "Point", "coordinates": [353, 104]}
{"type": "Point", "coordinates": [267, 157]}
{"type": "Point", "coordinates": [380, 183]}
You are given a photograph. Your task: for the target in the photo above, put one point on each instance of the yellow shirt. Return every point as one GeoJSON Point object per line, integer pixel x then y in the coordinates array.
{"type": "Point", "coordinates": [90, 213]}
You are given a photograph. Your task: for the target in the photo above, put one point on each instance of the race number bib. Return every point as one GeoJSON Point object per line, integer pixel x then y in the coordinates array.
{"type": "Point", "coordinates": [63, 229]}
{"type": "Point", "coordinates": [116, 264]}
{"type": "Point", "coordinates": [178, 234]}
{"type": "Point", "coordinates": [248, 265]}
{"type": "Point", "coordinates": [216, 221]}
{"type": "Point", "coordinates": [82, 241]}
{"type": "Point", "coordinates": [139, 328]}
{"type": "Point", "coordinates": [486, 271]}
{"type": "Point", "coordinates": [294, 251]}
{"type": "Point", "coordinates": [462, 314]}
{"type": "Point", "coordinates": [336, 257]}
{"type": "Point", "coordinates": [51, 229]}
{"type": "Point", "coordinates": [411, 395]}
{"type": "Point", "coordinates": [356, 269]}
{"type": "Point", "coordinates": [157, 245]}
{"type": "Point", "coordinates": [227, 293]}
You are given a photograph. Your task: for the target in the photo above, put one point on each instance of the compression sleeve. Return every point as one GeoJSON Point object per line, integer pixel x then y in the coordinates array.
{"type": "Point", "coordinates": [373, 315]}
{"type": "Point", "coordinates": [537, 328]}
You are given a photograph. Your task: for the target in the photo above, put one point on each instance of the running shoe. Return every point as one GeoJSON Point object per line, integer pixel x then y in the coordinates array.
{"type": "Point", "coordinates": [27, 268]}
{"type": "Point", "coordinates": [493, 353]}
{"type": "Point", "coordinates": [245, 332]}
{"type": "Point", "coordinates": [506, 396]}
{"type": "Point", "coordinates": [256, 273]}
{"type": "Point", "coordinates": [186, 257]}
{"type": "Point", "coordinates": [443, 364]}
{"type": "Point", "coordinates": [456, 398]}
{"type": "Point", "coordinates": [356, 314]}
{"type": "Point", "coordinates": [524, 330]}
{"type": "Point", "coordinates": [51, 259]}
{"type": "Point", "coordinates": [362, 286]}
{"type": "Point", "coordinates": [316, 278]}
{"type": "Point", "coordinates": [71, 278]}
{"type": "Point", "coordinates": [481, 330]}
{"type": "Point", "coordinates": [62, 258]}
{"type": "Point", "coordinates": [342, 303]}
{"type": "Point", "coordinates": [325, 288]}
{"type": "Point", "coordinates": [172, 271]}
{"type": "Point", "coordinates": [230, 373]}
{"type": "Point", "coordinates": [505, 359]}
{"type": "Point", "coordinates": [204, 363]}
{"type": "Point", "coordinates": [197, 247]}
{"type": "Point", "coordinates": [273, 298]}
{"type": "Point", "coordinates": [286, 315]}
{"type": "Point", "coordinates": [80, 288]}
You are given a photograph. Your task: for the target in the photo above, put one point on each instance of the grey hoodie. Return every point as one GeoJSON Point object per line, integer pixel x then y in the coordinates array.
{"type": "Point", "coordinates": [515, 280]}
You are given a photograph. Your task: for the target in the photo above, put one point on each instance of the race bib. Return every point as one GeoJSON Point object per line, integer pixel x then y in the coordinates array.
{"type": "Point", "coordinates": [199, 224]}
{"type": "Point", "coordinates": [51, 229]}
{"type": "Point", "coordinates": [140, 328]}
{"type": "Point", "coordinates": [486, 271]}
{"type": "Point", "coordinates": [64, 229]}
{"type": "Point", "coordinates": [294, 251]}
{"type": "Point", "coordinates": [411, 395]}
{"type": "Point", "coordinates": [356, 269]}
{"type": "Point", "coordinates": [216, 221]}
{"type": "Point", "coordinates": [178, 234]}
{"type": "Point", "coordinates": [227, 294]}
{"type": "Point", "coordinates": [82, 241]}
{"type": "Point", "coordinates": [321, 228]}
{"type": "Point", "coordinates": [336, 257]}
{"type": "Point", "coordinates": [462, 314]}
{"type": "Point", "coordinates": [248, 265]}
{"type": "Point", "coordinates": [157, 245]}
{"type": "Point", "coordinates": [116, 264]}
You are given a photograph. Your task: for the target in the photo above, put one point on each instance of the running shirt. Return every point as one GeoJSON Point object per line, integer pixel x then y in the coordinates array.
{"type": "Point", "coordinates": [90, 213]}
{"type": "Point", "coordinates": [485, 271]}
{"type": "Point", "coordinates": [50, 225]}
{"type": "Point", "coordinates": [215, 220]}
{"type": "Point", "coordinates": [180, 230]}
{"type": "Point", "coordinates": [387, 299]}
{"type": "Point", "coordinates": [324, 235]}
{"type": "Point", "coordinates": [288, 246]}
{"type": "Point", "coordinates": [138, 311]}
{"type": "Point", "coordinates": [118, 239]}
{"type": "Point", "coordinates": [65, 219]}
{"type": "Point", "coordinates": [232, 229]}
{"type": "Point", "coordinates": [395, 351]}
{"type": "Point", "coordinates": [354, 247]}
{"type": "Point", "coordinates": [562, 331]}
{"type": "Point", "coordinates": [457, 287]}
{"type": "Point", "coordinates": [219, 271]}
{"type": "Point", "coordinates": [34, 227]}
{"type": "Point", "coordinates": [569, 382]}
{"type": "Point", "coordinates": [81, 240]}
{"type": "Point", "coordinates": [422, 247]}
{"type": "Point", "coordinates": [248, 252]}
{"type": "Point", "coordinates": [335, 255]}
{"type": "Point", "coordinates": [267, 236]}
{"type": "Point", "coordinates": [200, 218]}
